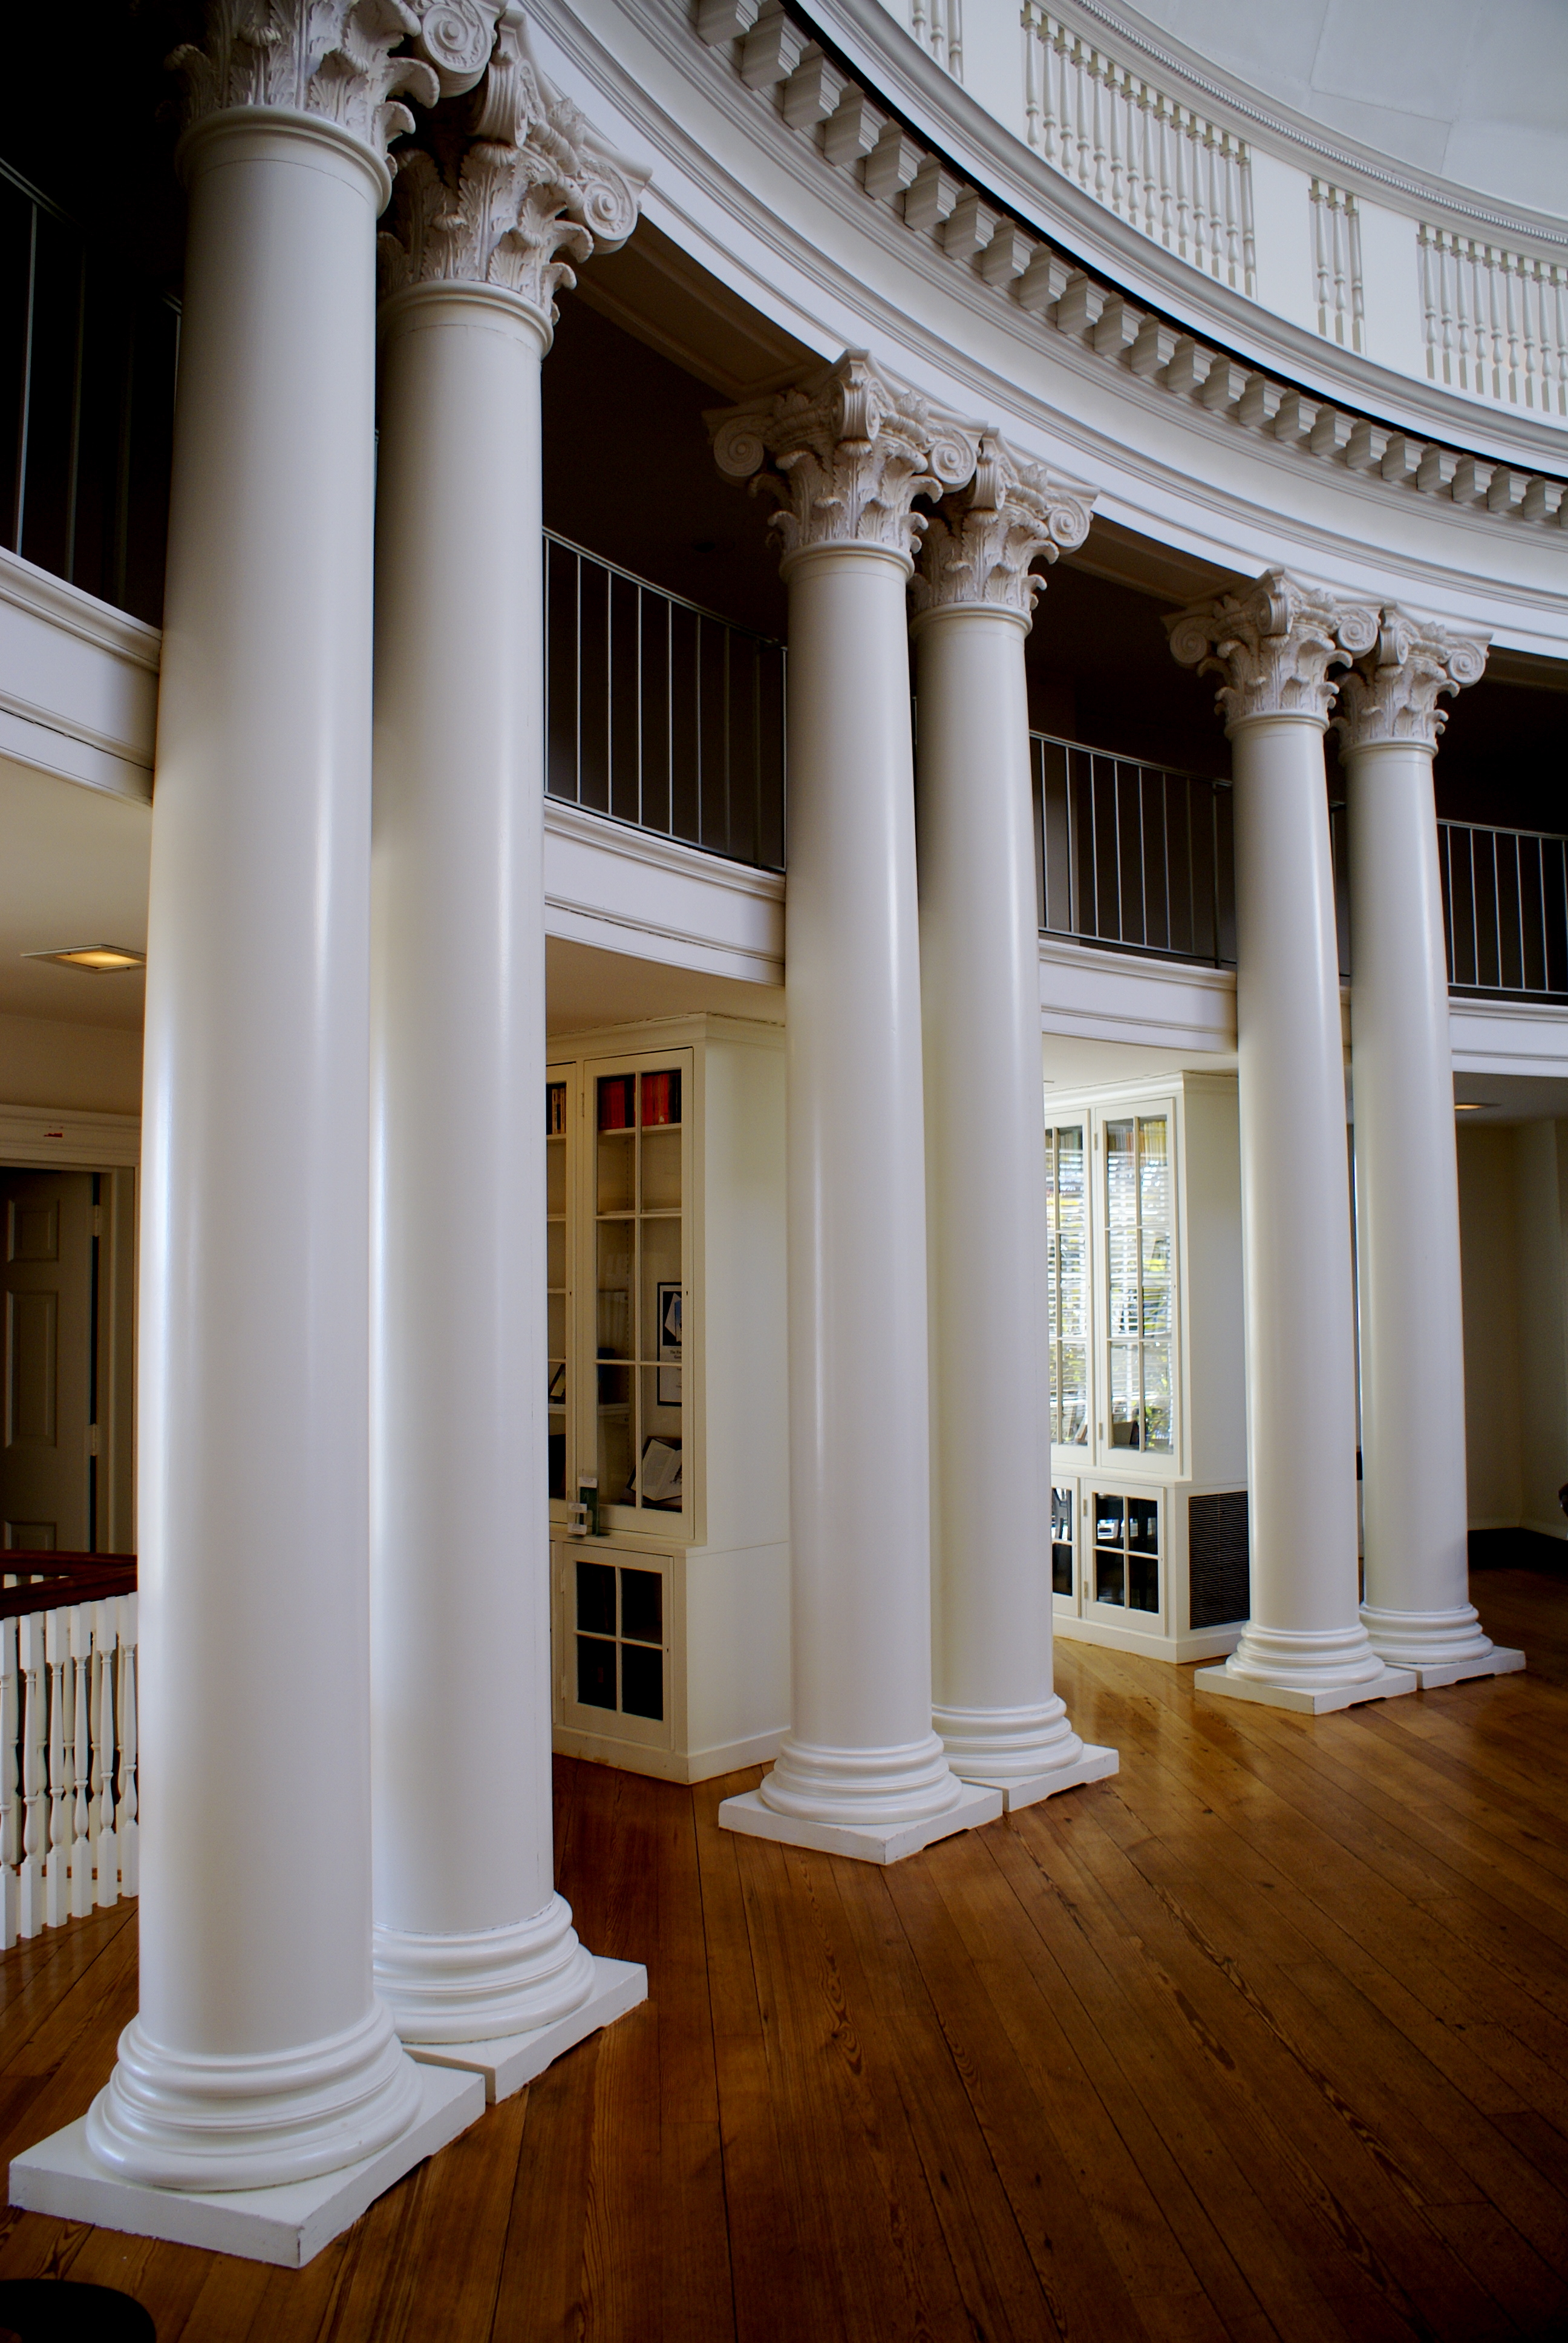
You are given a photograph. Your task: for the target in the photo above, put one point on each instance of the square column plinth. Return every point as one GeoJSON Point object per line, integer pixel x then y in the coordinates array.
{"type": "Point", "coordinates": [1497, 1662]}
{"type": "Point", "coordinates": [513, 2059]}
{"type": "Point", "coordinates": [1385, 1686]}
{"type": "Point", "coordinates": [866, 1842]}
{"type": "Point", "coordinates": [1093, 1764]}
{"type": "Point", "coordinates": [288, 2225]}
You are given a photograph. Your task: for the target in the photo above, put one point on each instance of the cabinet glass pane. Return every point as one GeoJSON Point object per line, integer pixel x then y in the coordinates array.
{"type": "Point", "coordinates": [596, 1673]}
{"type": "Point", "coordinates": [640, 1239]}
{"type": "Point", "coordinates": [1139, 1279]}
{"type": "Point", "coordinates": [1066, 1282]}
{"type": "Point", "coordinates": [1110, 1555]}
{"type": "Point", "coordinates": [661, 1171]}
{"type": "Point", "coordinates": [1062, 1532]}
{"type": "Point", "coordinates": [616, 1166]}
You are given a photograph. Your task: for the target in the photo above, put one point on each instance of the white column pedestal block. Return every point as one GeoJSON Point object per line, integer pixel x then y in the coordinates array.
{"type": "Point", "coordinates": [866, 1842]}
{"type": "Point", "coordinates": [1318, 1700]}
{"type": "Point", "coordinates": [510, 2060]}
{"type": "Point", "coordinates": [288, 2225]}
{"type": "Point", "coordinates": [1497, 1662]}
{"type": "Point", "coordinates": [1092, 1764]}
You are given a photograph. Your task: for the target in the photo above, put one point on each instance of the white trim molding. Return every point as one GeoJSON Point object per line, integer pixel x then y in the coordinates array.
{"type": "Point", "coordinates": [630, 890]}
{"type": "Point", "coordinates": [29, 1135]}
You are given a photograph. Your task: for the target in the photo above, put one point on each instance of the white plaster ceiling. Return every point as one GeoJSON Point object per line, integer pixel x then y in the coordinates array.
{"type": "Point", "coordinates": [74, 870]}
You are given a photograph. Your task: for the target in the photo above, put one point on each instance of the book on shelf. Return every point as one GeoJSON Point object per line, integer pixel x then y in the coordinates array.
{"type": "Point", "coordinates": [555, 1109]}
{"type": "Point", "coordinates": [616, 1101]}
{"type": "Point", "coordinates": [661, 1097]}
{"type": "Point", "coordinates": [659, 1474]}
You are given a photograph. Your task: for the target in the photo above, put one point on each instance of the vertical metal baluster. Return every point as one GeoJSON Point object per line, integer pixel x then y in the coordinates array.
{"type": "Point", "coordinates": [1519, 905]}
{"type": "Point", "coordinates": [25, 416]}
{"type": "Point", "coordinates": [610, 795]}
{"type": "Point", "coordinates": [670, 718]}
{"type": "Point", "coordinates": [74, 462]}
{"type": "Point", "coordinates": [578, 674]}
{"type": "Point", "coordinates": [1474, 917]}
{"type": "Point", "coordinates": [641, 804]}
{"type": "Point", "coordinates": [729, 719]}
{"type": "Point", "coordinates": [550, 555]}
{"type": "Point", "coordinates": [1074, 890]}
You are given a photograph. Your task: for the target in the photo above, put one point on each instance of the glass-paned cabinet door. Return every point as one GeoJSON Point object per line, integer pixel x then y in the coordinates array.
{"type": "Point", "coordinates": [1124, 1563]}
{"type": "Point", "coordinates": [1139, 1281]}
{"type": "Point", "coordinates": [1066, 1282]}
{"type": "Point", "coordinates": [640, 1174]}
{"type": "Point", "coordinates": [558, 1169]}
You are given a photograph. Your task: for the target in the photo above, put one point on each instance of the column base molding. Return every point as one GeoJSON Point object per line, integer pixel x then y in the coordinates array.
{"type": "Point", "coordinates": [288, 2225]}
{"type": "Point", "coordinates": [487, 1983]}
{"type": "Point", "coordinates": [866, 1842]}
{"type": "Point", "coordinates": [1316, 1700]}
{"type": "Point", "coordinates": [507, 2061]}
{"type": "Point", "coordinates": [1092, 1764]}
{"type": "Point", "coordinates": [1443, 1647]}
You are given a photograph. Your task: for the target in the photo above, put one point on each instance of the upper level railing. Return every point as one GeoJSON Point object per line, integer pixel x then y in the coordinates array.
{"type": "Point", "coordinates": [1506, 910]}
{"type": "Point", "coordinates": [1133, 855]}
{"type": "Point", "coordinates": [86, 407]}
{"type": "Point", "coordinates": [659, 713]}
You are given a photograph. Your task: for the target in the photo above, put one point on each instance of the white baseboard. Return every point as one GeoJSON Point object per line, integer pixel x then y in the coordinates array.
{"type": "Point", "coordinates": [688, 1766]}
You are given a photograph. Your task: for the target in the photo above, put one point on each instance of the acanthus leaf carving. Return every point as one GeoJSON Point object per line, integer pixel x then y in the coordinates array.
{"type": "Point", "coordinates": [985, 537]}
{"type": "Point", "coordinates": [1392, 690]}
{"type": "Point", "coordinates": [343, 60]}
{"type": "Point", "coordinates": [845, 457]}
{"type": "Point", "coordinates": [1274, 644]}
{"type": "Point", "coordinates": [509, 191]}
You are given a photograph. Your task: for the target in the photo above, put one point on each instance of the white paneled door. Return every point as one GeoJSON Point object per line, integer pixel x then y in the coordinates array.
{"type": "Point", "coordinates": [48, 1274]}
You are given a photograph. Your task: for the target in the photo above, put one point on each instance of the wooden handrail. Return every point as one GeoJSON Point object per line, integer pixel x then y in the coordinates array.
{"type": "Point", "coordinates": [59, 1580]}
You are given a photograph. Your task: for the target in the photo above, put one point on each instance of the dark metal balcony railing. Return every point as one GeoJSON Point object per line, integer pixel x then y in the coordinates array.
{"type": "Point", "coordinates": [660, 714]}
{"type": "Point", "coordinates": [1506, 910]}
{"type": "Point", "coordinates": [86, 407]}
{"type": "Point", "coordinates": [1131, 855]}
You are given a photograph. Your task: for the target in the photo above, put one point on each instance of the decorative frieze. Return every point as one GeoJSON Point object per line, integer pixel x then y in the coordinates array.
{"type": "Point", "coordinates": [508, 191]}
{"type": "Point", "coordinates": [1393, 688]}
{"type": "Point", "coordinates": [984, 538]}
{"type": "Point", "coordinates": [1274, 645]}
{"type": "Point", "coordinates": [333, 58]}
{"type": "Point", "coordinates": [845, 457]}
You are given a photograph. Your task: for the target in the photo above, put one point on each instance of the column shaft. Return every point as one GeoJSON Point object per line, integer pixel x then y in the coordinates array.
{"type": "Point", "coordinates": [259, 2054]}
{"type": "Point", "coordinates": [996, 1708]}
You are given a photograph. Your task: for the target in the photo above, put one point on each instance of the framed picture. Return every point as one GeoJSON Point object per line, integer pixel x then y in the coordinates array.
{"type": "Point", "coordinates": [667, 1298]}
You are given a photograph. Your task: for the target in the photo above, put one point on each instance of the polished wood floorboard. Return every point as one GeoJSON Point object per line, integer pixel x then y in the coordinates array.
{"type": "Point", "coordinates": [1267, 2038]}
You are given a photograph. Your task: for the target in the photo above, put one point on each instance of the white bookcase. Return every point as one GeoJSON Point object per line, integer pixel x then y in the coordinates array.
{"type": "Point", "coordinates": [1147, 1405]}
{"type": "Point", "coordinates": [668, 1395]}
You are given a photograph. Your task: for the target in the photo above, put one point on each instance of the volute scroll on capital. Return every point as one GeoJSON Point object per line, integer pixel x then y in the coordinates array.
{"type": "Point", "coordinates": [1274, 644]}
{"type": "Point", "coordinates": [334, 59]}
{"type": "Point", "coordinates": [508, 190]}
{"type": "Point", "coordinates": [984, 538]}
{"type": "Point", "coordinates": [845, 457]}
{"type": "Point", "coordinates": [1391, 691]}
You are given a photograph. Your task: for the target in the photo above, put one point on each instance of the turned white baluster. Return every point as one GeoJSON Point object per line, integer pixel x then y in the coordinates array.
{"type": "Point", "coordinates": [106, 1859]}
{"type": "Point", "coordinates": [125, 1777]}
{"type": "Point", "coordinates": [57, 1654]}
{"type": "Point", "coordinates": [10, 1785]}
{"type": "Point", "coordinates": [80, 1618]}
{"type": "Point", "coordinates": [35, 1773]}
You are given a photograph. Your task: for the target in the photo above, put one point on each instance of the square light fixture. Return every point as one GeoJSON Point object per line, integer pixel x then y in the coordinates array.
{"type": "Point", "coordinates": [100, 960]}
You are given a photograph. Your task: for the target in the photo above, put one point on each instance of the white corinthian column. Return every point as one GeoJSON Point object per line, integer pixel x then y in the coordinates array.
{"type": "Point", "coordinates": [1304, 1645]}
{"type": "Point", "coordinates": [476, 1955]}
{"type": "Point", "coordinates": [996, 1709]}
{"type": "Point", "coordinates": [261, 2064]}
{"type": "Point", "coordinates": [861, 1772]}
{"type": "Point", "coordinates": [1415, 1516]}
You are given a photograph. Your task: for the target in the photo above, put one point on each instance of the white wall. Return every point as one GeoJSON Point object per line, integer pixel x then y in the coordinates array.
{"type": "Point", "coordinates": [89, 1069]}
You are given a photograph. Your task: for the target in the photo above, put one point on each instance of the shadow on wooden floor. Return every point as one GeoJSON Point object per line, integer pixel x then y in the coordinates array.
{"type": "Point", "coordinates": [1268, 2037]}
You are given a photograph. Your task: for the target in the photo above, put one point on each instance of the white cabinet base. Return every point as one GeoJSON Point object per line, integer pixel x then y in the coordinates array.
{"type": "Point", "coordinates": [868, 1842]}
{"type": "Point", "coordinates": [288, 2225]}
{"type": "Point", "coordinates": [1386, 1686]}
{"type": "Point", "coordinates": [1149, 1643]}
{"type": "Point", "coordinates": [510, 2060]}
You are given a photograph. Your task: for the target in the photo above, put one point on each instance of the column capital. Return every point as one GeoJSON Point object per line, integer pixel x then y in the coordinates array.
{"type": "Point", "coordinates": [845, 457]}
{"type": "Point", "coordinates": [984, 538]}
{"type": "Point", "coordinates": [1274, 644]}
{"type": "Point", "coordinates": [1392, 689]}
{"type": "Point", "coordinates": [334, 59]}
{"type": "Point", "coordinates": [509, 190]}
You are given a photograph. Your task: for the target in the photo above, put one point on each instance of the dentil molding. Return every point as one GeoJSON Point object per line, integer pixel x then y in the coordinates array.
{"type": "Point", "coordinates": [509, 191]}
{"type": "Point", "coordinates": [1274, 644]}
{"type": "Point", "coordinates": [983, 539]}
{"type": "Point", "coordinates": [845, 457]}
{"type": "Point", "coordinates": [1392, 690]}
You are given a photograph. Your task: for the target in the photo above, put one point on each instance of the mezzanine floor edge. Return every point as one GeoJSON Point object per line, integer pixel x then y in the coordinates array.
{"type": "Point", "coordinates": [1266, 2036]}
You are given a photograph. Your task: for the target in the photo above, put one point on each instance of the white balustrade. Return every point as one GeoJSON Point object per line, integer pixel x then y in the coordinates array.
{"type": "Point", "coordinates": [939, 26]}
{"type": "Point", "coordinates": [1184, 181]}
{"type": "Point", "coordinates": [67, 1763]}
{"type": "Point", "coordinates": [1495, 321]}
{"type": "Point", "coordinates": [1337, 264]}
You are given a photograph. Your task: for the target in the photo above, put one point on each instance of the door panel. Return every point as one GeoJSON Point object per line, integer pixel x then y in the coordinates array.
{"type": "Point", "coordinates": [47, 1222]}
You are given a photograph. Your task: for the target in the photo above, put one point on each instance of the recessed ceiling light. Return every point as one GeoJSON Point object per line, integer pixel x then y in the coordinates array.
{"type": "Point", "coordinates": [103, 960]}
{"type": "Point", "coordinates": [1471, 1106]}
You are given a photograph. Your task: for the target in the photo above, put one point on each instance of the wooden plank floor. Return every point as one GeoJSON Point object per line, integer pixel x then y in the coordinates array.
{"type": "Point", "coordinates": [1266, 2038]}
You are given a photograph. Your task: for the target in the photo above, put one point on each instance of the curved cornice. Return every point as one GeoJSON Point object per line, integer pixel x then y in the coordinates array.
{"type": "Point", "coordinates": [1281, 129]}
{"type": "Point", "coordinates": [897, 72]}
